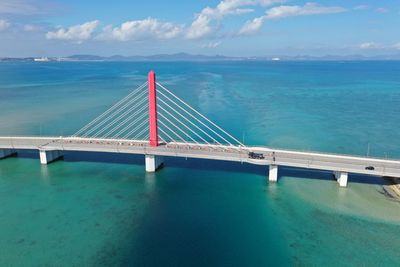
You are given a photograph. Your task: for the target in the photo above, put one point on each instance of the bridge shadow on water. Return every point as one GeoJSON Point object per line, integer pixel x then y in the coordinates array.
{"type": "Point", "coordinates": [328, 175]}
{"type": "Point", "coordinates": [208, 165]}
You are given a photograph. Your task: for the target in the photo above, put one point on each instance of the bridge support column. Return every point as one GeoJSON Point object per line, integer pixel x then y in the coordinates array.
{"type": "Point", "coordinates": [4, 153]}
{"type": "Point", "coordinates": [273, 173]}
{"type": "Point", "coordinates": [47, 156]}
{"type": "Point", "coordinates": [341, 178]}
{"type": "Point", "coordinates": [153, 163]}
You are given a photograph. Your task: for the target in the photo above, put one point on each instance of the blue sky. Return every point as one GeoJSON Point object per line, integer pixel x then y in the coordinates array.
{"type": "Point", "coordinates": [228, 27]}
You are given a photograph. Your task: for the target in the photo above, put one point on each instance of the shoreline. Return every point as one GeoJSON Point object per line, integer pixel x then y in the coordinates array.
{"type": "Point", "coordinates": [392, 190]}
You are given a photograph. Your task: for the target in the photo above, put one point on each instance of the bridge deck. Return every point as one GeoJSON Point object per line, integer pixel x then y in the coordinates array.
{"type": "Point", "coordinates": [309, 160]}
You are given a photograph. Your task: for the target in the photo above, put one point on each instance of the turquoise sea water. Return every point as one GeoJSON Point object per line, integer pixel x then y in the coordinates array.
{"type": "Point", "coordinates": [104, 210]}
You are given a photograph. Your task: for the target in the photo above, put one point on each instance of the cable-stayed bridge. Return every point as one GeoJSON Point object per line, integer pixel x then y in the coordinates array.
{"type": "Point", "coordinates": [153, 121]}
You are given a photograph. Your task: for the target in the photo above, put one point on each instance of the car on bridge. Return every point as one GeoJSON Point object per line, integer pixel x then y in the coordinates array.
{"type": "Point", "coordinates": [254, 155]}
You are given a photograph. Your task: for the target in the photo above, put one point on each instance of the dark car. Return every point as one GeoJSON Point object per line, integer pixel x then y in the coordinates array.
{"type": "Point", "coordinates": [370, 168]}
{"type": "Point", "coordinates": [254, 155]}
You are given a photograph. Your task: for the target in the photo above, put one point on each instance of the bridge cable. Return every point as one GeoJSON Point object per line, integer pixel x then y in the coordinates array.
{"type": "Point", "coordinates": [127, 120]}
{"type": "Point", "coordinates": [172, 131]}
{"type": "Point", "coordinates": [169, 137]}
{"type": "Point", "coordinates": [187, 127]}
{"type": "Point", "coordinates": [162, 101]}
{"type": "Point", "coordinates": [178, 128]}
{"type": "Point", "coordinates": [110, 109]}
{"type": "Point", "coordinates": [201, 115]}
{"type": "Point", "coordinates": [109, 118]}
{"type": "Point", "coordinates": [142, 116]}
{"type": "Point", "coordinates": [197, 119]}
{"type": "Point", "coordinates": [126, 116]}
{"type": "Point", "coordinates": [145, 129]}
{"type": "Point", "coordinates": [138, 127]}
{"type": "Point", "coordinates": [115, 113]}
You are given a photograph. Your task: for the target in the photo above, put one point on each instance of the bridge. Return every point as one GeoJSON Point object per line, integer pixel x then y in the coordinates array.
{"type": "Point", "coordinates": [154, 122]}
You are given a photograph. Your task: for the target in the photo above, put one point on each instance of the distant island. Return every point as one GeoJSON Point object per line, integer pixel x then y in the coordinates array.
{"type": "Point", "coordinates": [204, 58]}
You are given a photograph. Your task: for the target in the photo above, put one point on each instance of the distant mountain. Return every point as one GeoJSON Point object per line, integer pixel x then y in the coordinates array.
{"type": "Point", "coordinates": [190, 57]}
{"type": "Point", "coordinates": [84, 58]}
{"type": "Point", "coordinates": [21, 59]}
{"type": "Point", "coordinates": [159, 57]}
{"type": "Point", "coordinates": [204, 58]}
{"type": "Point", "coordinates": [340, 58]}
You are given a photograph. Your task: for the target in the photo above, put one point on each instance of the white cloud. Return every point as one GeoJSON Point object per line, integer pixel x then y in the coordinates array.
{"type": "Point", "coordinates": [202, 24]}
{"type": "Point", "coordinates": [373, 45]}
{"type": "Point", "coordinates": [18, 7]}
{"type": "Point", "coordinates": [270, 2]}
{"type": "Point", "coordinates": [211, 44]}
{"type": "Point", "coordinates": [307, 9]}
{"type": "Point", "coordinates": [31, 28]}
{"type": "Point", "coordinates": [24, 7]}
{"type": "Point", "coordinates": [77, 33]}
{"type": "Point", "coordinates": [252, 26]}
{"type": "Point", "coordinates": [4, 24]}
{"type": "Point", "coordinates": [382, 10]}
{"type": "Point", "coordinates": [200, 27]}
{"type": "Point", "coordinates": [279, 12]}
{"type": "Point", "coordinates": [149, 28]}
{"type": "Point", "coordinates": [361, 7]}
{"type": "Point", "coordinates": [369, 45]}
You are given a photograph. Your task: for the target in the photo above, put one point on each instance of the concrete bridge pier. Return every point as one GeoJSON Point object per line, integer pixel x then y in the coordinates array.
{"type": "Point", "coordinates": [341, 178]}
{"type": "Point", "coordinates": [153, 163]}
{"type": "Point", "coordinates": [4, 153]}
{"type": "Point", "coordinates": [47, 156]}
{"type": "Point", "coordinates": [273, 173]}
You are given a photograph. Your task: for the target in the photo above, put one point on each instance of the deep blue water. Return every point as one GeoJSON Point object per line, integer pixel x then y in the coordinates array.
{"type": "Point", "coordinates": [95, 209]}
